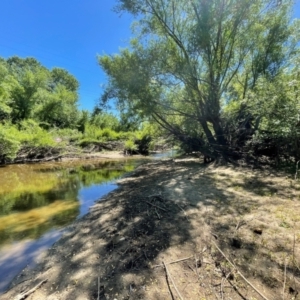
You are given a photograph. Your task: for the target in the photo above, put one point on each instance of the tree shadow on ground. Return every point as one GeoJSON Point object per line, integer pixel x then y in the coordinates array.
{"type": "Point", "coordinates": [163, 212]}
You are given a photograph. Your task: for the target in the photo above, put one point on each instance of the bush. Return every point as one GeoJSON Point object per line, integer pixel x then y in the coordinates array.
{"type": "Point", "coordinates": [130, 146]}
{"type": "Point", "coordinates": [67, 134]}
{"type": "Point", "coordinates": [9, 143]}
{"type": "Point", "coordinates": [31, 134]}
{"type": "Point", "coordinates": [109, 134]}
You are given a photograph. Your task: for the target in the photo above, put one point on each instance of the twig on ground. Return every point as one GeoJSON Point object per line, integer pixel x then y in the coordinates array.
{"type": "Point", "coordinates": [169, 276]}
{"type": "Point", "coordinates": [222, 291]}
{"type": "Point", "coordinates": [155, 195]}
{"type": "Point", "coordinates": [284, 280]}
{"type": "Point", "coordinates": [249, 283]}
{"type": "Point", "coordinates": [156, 206]}
{"type": "Point", "coordinates": [296, 173]}
{"type": "Point", "coordinates": [157, 213]}
{"type": "Point", "coordinates": [183, 211]}
{"type": "Point", "coordinates": [26, 294]}
{"type": "Point", "coordinates": [125, 251]}
{"type": "Point", "coordinates": [169, 288]}
{"type": "Point", "coordinates": [98, 298]}
{"type": "Point", "coordinates": [242, 223]}
{"type": "Point", "coordinates": [294, 262]}
{"type": "Point", "coordinates": [173, 262]}
{"type": "Point", "coordinates": [196, 265]}
{"type": "Point", "coordinates": [145, 254]}
{"type": "Point", "coordinates": [192, 269]}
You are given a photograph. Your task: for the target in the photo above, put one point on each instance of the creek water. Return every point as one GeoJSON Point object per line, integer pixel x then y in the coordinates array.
{"type": "Point", "coordinates": [38, 201]}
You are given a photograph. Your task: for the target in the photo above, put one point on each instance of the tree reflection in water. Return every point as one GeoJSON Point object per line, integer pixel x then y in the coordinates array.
{"type": "Point", "coordinates": [38, 201]}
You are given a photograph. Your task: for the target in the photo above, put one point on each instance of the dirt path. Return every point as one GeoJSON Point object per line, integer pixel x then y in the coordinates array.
{"type": "Point", "coordinates": [179, 210]}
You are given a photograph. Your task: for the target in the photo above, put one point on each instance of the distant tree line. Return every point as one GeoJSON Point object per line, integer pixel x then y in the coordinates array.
{"type": "Point", "coordinates": [39, 115]}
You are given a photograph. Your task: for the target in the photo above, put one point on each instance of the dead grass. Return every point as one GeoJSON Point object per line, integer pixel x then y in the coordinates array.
{"type": "Point", "coordinates": [166, 211]}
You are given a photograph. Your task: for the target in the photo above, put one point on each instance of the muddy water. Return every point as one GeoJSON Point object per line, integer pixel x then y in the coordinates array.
{"type": "Point", "coordinates": [38, 201]}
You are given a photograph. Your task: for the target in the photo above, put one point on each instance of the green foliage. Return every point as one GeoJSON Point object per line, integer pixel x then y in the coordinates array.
{"type": "Point", "coordinates": [130, 145]}
{"type": "Point", "coordinates": [66, 134]}
{"type": "Point", "coordinates": [105, 120]}
{"type": "Point", "coordinates": [61, 77]}
{"type": "Point", "coordinates": [31, 134]}
{"type": "Point", "coordinates": [109, 134]}
{"type": "Point", "coordinates": [13, 138]}
{"type": "Point", "coordinates": [9, 144]}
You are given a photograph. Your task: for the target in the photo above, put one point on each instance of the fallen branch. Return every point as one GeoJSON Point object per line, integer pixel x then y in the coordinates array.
{"type": "Point", "coordinates": [156, 206]}
{"type": "Point", "coordinates": [169, 276]}
{"type": "Point", "coordinates": [26, 294]}
{"type": "Point", "coordinates": [37, 160]}
{"type": "Point", "coordinates": [249, 283]}
{"type": "Point", "coordinates": [173, 262]}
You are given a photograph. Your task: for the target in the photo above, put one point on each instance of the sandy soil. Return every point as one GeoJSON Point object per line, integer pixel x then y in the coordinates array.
{"type": "Point", "coordinates": [188, 216]}
{"type": "Point", "coordinates": [103, 154]}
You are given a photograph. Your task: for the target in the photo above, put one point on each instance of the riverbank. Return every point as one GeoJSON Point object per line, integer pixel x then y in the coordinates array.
{"type": "Point", "coordinates": [199, 218]}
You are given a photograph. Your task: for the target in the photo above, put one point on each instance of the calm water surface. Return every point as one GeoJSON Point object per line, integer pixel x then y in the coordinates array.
{"type": "Point", "coordinates": [38, 201]}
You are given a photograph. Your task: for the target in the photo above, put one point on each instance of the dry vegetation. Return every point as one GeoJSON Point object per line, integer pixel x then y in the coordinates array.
{"type": "Point", "coordinates": [216, 224]}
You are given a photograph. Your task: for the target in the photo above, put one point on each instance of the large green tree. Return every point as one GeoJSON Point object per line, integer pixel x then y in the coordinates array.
{"type": "Point", "coordinates": [187, 56]}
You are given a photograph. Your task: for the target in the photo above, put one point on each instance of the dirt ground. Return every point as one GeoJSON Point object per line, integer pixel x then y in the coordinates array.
{"type": "Point", "coordinates": [178, 229]}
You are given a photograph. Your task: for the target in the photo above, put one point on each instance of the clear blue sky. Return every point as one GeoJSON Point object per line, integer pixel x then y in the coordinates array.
{"type": "Point", "coordinates": [67, 34]}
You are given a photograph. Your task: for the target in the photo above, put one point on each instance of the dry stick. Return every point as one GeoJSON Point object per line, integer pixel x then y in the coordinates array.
{"type": "Point", "coordinates": [157, 213]}
{"type": "Point", "coordinates": [284, 282]}
{"type": "Point", "coordinates": [239, 224]}
{"type": "Point", "coordinates": [182, 210]}
{"type": "Point", "coordinates": [294, 263]}
{"type": "Point", "coordinates": [222, 292]}
{"type": "Point", "coordinates": [26, 294]}
{"type": "Point", "coordinates": [169, 276]}
{"type": "Point", "coordinates": [240, 272]}
{"type": "Point", "coordinates": [98, 298]}
{"type": "Point", "coordinates": [156, 206]}
{"type": "Point", "coordinates": [173, 262]}
{"type": "Point", "coordinates": [242, 223]}
{"type": "Point", "coordinates": [145, 254]}
{"type": "Point", "coordinates": [296, 173]}
{"type": "Point", "coordinates": [169, 288]}
{"type": "Point", "coordinates": [154, 195]}
{"type": "Point", "coordinates": [196, 264]}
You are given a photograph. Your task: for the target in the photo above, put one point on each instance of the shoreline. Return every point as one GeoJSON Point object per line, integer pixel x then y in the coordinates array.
{"type": "Point", "coordinates": [166, 211]}
{"type": "Point", "coordinates": [83, 156]}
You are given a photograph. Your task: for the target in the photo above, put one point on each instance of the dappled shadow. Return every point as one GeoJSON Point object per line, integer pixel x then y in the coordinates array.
{"type": "Point", "coordinates": [163, 212]}
{"type": "Point", "coordinates": [253, 216]}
